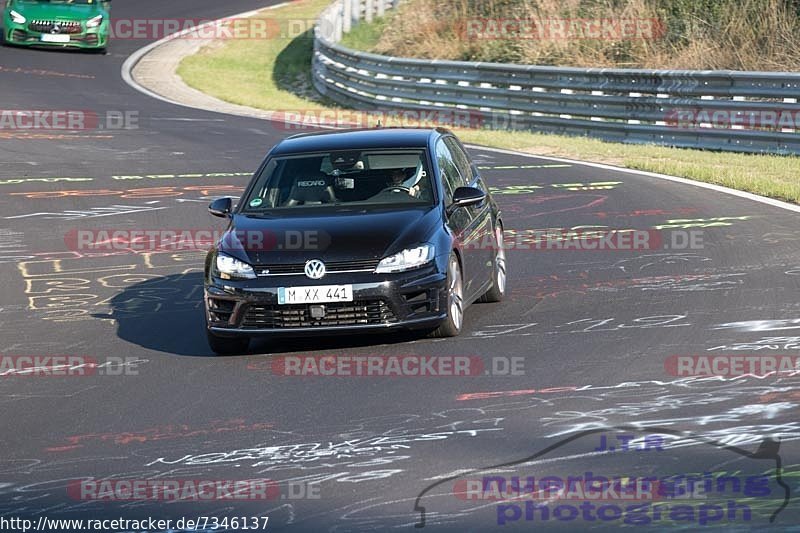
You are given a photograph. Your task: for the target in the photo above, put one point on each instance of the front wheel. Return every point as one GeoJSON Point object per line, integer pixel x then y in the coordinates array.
{"type": "Point", "coordinates": [451, 326]}
{"type": "Point", "coordinates": [498, 290]}
{"type": "Point", "coordinates": [227, 345]}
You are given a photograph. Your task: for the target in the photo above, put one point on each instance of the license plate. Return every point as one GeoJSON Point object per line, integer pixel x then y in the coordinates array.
{"type": "Point", "coordinates": [55, 38]}
{"type": "Point", "coordinates": [319, 294]}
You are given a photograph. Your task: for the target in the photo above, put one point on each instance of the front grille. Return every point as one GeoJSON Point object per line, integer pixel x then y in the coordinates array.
{"type": "Point", "coordinates": [374, 312]}
{"type": "Point", "coordinates": [47, 26]}
{"type": "Point", "coordinates": [331, 268]}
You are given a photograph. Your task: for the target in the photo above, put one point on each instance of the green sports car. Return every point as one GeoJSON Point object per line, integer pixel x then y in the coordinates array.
{"type": "Point", "coordinates": [61, 23]}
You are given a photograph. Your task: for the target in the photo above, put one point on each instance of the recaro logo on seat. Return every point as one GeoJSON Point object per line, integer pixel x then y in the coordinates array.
{"type": "Point", "coordinates": [316, 183]}
{"type": "Point", "coordinates": [315, 269]}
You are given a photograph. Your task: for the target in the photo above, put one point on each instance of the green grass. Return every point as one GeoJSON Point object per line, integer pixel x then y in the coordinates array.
{"type": "Point", "coordinates": [257, 73]}
{"type": "Point", "coordinates": [366, 36]}
{"type": "Point", "coordinates": [266, 75]}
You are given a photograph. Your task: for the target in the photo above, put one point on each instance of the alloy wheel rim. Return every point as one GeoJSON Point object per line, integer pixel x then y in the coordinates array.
{"type": "Point", "coordinates": [500, 261]}
{"type": "Point", "coordinates": [456, 295]}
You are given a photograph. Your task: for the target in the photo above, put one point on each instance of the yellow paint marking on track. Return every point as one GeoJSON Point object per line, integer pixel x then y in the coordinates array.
{"type": "Point", "coordinates": [19, 181]}
{"type": "Point", "coordinates": [192, 175]}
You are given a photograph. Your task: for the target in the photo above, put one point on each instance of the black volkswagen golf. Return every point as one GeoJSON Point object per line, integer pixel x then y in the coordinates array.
{"type": "Point", "coordinates": [355, 231]}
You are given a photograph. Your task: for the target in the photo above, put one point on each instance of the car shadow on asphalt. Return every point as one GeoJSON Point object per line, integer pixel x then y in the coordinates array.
{"type": "Point", "coordinates": [165, 314]}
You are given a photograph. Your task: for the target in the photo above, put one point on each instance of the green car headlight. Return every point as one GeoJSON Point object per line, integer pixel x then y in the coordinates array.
{"type": "Point", "coordinates": [17, 17]}
{"type": "Point", "coordinates": [94, 22]}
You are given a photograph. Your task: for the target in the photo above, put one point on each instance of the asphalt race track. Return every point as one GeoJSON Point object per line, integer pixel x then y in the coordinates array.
{"type": "Point", "coordinates": [589, 333]}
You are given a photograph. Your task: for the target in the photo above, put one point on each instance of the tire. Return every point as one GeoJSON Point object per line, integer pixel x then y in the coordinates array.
{"type": "Point", "coordinates": [452, 325]}
{"type": "Point", "coordinates": [226, 345]}
{"type": "Point", "coordinates": [498, 290]}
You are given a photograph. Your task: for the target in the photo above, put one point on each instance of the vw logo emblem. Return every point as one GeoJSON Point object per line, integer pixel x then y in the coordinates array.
{"type": "Point", "coordinates": [315, 269]}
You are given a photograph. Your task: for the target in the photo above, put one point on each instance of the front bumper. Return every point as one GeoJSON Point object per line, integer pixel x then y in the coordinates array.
{"type": "Point", "coordinates": [88, 38]}
{"type": "Point", "coordinates": [409, 300]}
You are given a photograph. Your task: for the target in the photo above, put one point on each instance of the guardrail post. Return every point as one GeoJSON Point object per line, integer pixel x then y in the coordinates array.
{"type": "Point", "coordinates": [355, 11]}
{"type": "Point", "coordinates": [338, 18]}
{"type": "Point", "coordinates": [347, 16]}
{"type": "Point", "coordinates": [369, 10]}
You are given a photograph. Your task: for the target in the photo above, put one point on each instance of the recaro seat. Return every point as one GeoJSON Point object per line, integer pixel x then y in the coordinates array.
{"type": "Point", "coordinates": [312, 190]}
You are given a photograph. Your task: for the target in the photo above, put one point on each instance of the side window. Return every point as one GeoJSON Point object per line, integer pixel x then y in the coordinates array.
{"type": "Point", "coordinates": [461, 160]}
{"type": "Point", "coordinates": [451, 178]}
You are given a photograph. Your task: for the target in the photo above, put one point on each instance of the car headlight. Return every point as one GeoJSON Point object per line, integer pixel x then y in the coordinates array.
{"type": "Point", "coordinates": [406, 260]}
{"type": "Point", "coordinates": [94, 22]}
{"type": "Point", "coordinates": [17, 17]}
{"type": "Point", "coordinates": [231, 268]}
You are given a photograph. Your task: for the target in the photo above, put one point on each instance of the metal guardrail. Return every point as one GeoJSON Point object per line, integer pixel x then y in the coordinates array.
{"type": "Point", "coordinates": [667, 107]}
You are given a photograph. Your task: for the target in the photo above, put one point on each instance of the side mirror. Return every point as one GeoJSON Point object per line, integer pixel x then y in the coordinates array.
{"type": "Point", "coordinates": [466, 196]}
{"type": "Point", "coordinates": [221, 207]}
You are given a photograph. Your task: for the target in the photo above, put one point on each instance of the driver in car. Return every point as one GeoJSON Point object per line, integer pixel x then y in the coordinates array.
{"type": "Point", "coordinates": [398, 179]}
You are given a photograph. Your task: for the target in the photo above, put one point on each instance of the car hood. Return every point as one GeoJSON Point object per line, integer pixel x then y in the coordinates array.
{"type": "Point", "coordinates": [39, 11]}
{"type": "Point", "coordinates": [339, 236]}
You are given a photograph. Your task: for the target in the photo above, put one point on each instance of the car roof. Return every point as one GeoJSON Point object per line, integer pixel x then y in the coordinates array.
{"type": "Point", "coordinates": [357, 139]}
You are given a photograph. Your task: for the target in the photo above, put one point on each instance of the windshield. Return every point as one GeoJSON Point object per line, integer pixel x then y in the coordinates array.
{"type": "Point", "coordinates": [370, 179]}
